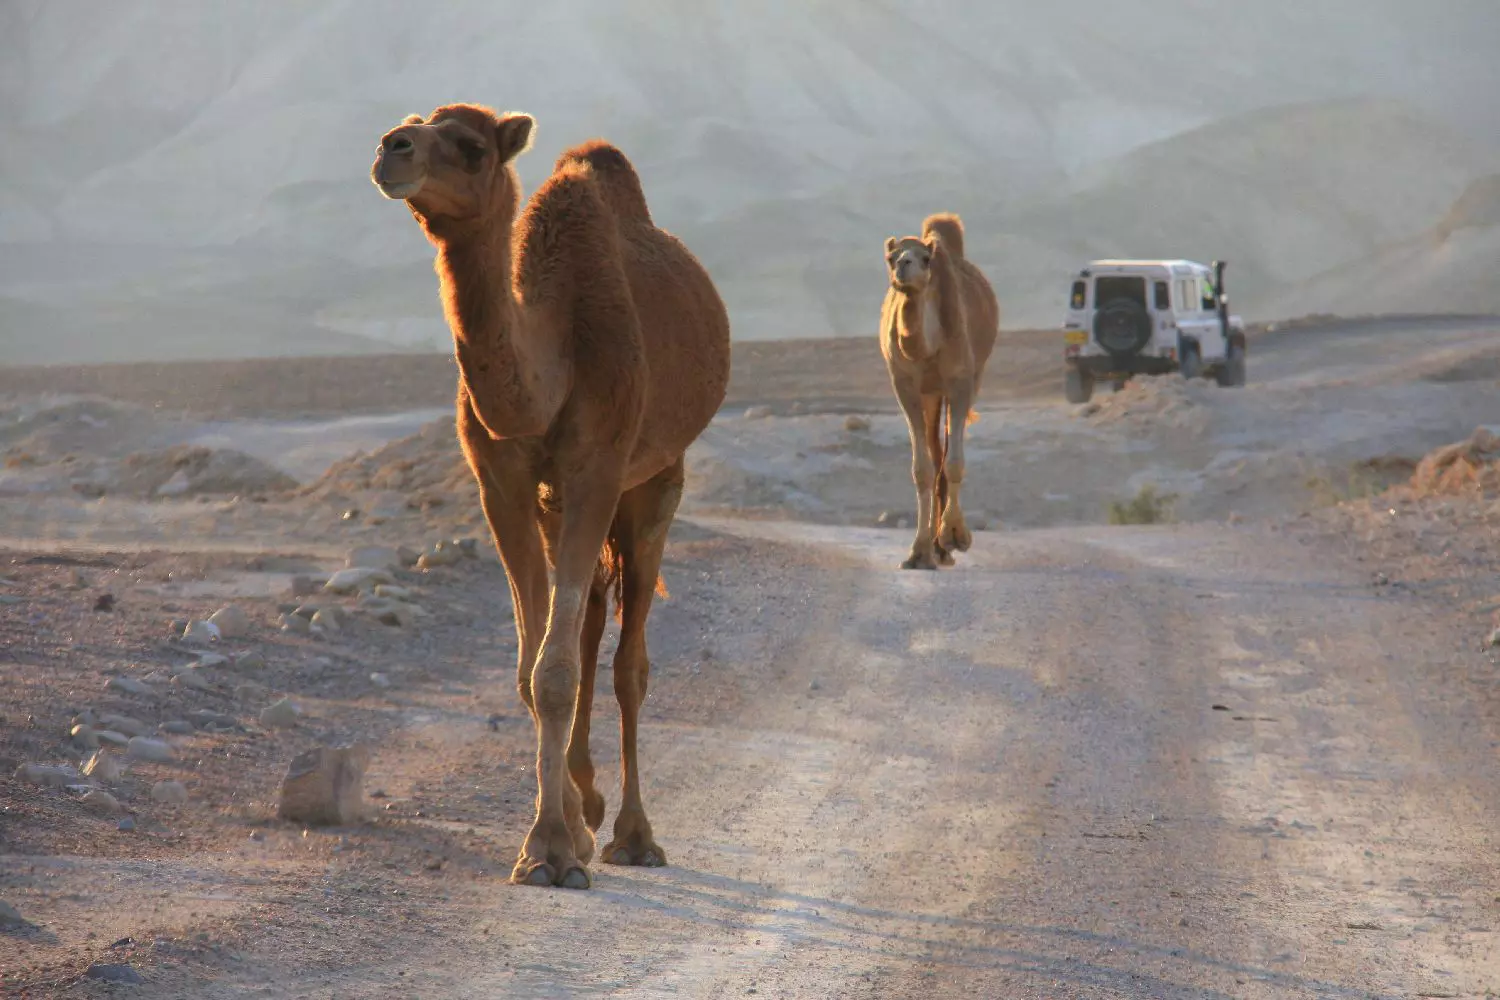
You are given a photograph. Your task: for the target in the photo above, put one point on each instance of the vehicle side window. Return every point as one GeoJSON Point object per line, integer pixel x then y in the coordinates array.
{"type": "Point", "coordinates": [1163, 297]}
{"type": "Point", "coordinates": [1209, 303]}
{"type": "Point", "coordinates": [1080, 289]}
{"type": "Point", "coordinates": [1187, 298]}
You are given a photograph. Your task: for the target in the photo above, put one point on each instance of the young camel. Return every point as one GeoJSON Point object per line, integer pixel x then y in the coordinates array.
{"type": "Point", "coordinates": [937, 327]}
{"type": "Point", "coordinates": [592, 350]}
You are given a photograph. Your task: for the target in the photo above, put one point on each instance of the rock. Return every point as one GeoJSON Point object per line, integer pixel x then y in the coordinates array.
{"type": "Point", "coordinates": [212, 660]}
{"type": "Point", "coordinates": [304, 586]}
{"type": "Point", "coordinates": [169, 793]}
{"type": "Point", "coordinates": [280, 715]}
{"type": "Point", "coordinates": [200, 633]}
{"type": "Point", "coordinates": [157, 677]}
{"type": "Point", "coordinates": [103, 766]}
{"type": "Point", "coordinates": [110, 738]}
{"type": "Point", "coordinates": [104, 602]}
{"type": "Point", "coordinates": [398, 615]}
{"type": "Point", "coordinates": [178, 727]}
{"type": "Point", "coordinates": [349, 581]}
{"type": "Point", "coordinates": [885, 519]}
{"type": "Point", "coordinates": [978, 522]}
{"type": "Point", "coordinates": [127, 685]}
{"type": "Point", "coordinates": [193, 680]}
{"type": "Point", "coordinates": [232, 621]}
{"type": "Point", "coordinates": [113, 973]}
{"type": "Point", "coordinates": [177, 625]}
{"type": "Point", "coordinates": [10, 916]}
{"type": "Point", "coordinates": [295, 624]}
{"type": "Point", "coordinates": [206, 717]}
{"type": "Point", "coordinates": [374, 557]}
{"type": "Point", "coordinates": [326, 620]}
{"type": "Point", "coordinates": [99, 801]}
{"type": "Point", "coordinates": [467, 547]}
{"type": "Point", "coordinates": [1495, 637]}
{"type": "Point", "coordinates": [757, 412]}
{"type": "Point", "coordinates": [250, 661]}
{"type": "Point", "coordinates": [902, 524]}
{"type": "Point", "coordinates": [309, 608]}
{"type": "Point", "coordinates": [408, 556]}
{"type": "Point", "coordinates": [249, 692]}
{"type": "Point", "coordinates": [380, 680]}
{"type": "Point", "coordinates": [85, 718]}
{"type": "Point", "coordinates": [84, 736]}
{"type": "Point", "coordinates": [441, 554]}
{"type": "Point", "coordinates": [141, 748]}
{"type": "Point", "coordinates": [123, 724]}
{"type": "Point", "coordinates": [46, 776]}
{"type": "Point", "coordinates": [392, 592]}
{"type": "Point", "coordinates": [126, 825]}
{"type": "Point", "coordinates": [855, 423]}
{"type": "Point", "coordinates": [324, 786]}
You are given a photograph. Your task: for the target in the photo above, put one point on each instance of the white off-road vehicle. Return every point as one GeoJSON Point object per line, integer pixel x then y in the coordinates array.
{"type": "Point", "coordinates": [1150, 317]}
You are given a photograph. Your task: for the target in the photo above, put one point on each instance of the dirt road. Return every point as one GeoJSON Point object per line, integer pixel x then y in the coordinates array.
{"type": "Point", "coordinates": [1168, 762]}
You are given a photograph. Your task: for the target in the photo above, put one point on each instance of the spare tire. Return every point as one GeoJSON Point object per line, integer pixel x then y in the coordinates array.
{"type": "Point", "coordinates": [1122, 326]}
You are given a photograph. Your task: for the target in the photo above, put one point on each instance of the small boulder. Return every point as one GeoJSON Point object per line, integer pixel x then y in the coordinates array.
{"type": "Point", "coordinates": [141, 748]}
{"type": "Point", "coordinates": [757, 412]}
{"type": "Point", "coordinates": [97, 800]}
{"type": "Point", "coordinates": [854, 423]}
{"type": "Point", "coordinates": [193, 680]}
{"type": "Point", "coordinates": [178, 727]}
{"type": "Point", "coordinates": [380, 680]}
{"type": "Point", "coordinates": [47, 776]}
{"type": "Point", "coordinates": [127, 685]}
{"type": "Point", "coordinates": [207, 717]}
{"type": "Point", "coordinates": [304, 586]}
{"type": "Point", "coordinates": [374, 557]}
{"type": "Point", "coordinates": [109, 972]}
{"type": "Point", "coordinates": [199, 633]}
{"type": "Point", "coordinates": [280, 715]}
{"type": "Point", "coordinates": [325, 786]}
{"type": "Point", "coordinates": [110, 738]}
{"type": "Point", "coordinates": [124, 724]}
{"type": "Point", "coordinates": [212, 660]}
{"type": "Point", "coordinates": [391, 592]}
{"type": "Point", "coordinates": [349, 581]}
{"type": "Point", "coordinates": [10, 916]}
{"type": "Point", "coordinates": [126, 825]}
{"type": "Point", "coordinates": [249, 661]}
{"type": "Point", "coordinates": [84, 737]}
{"type": "Point", "coordinates": [295, 624]}
{"type": "Point", "coordinates": [231, 620]}
{"type": "Point", "coordinates": [325, 620]}
{"type": "Point", "coordinates": [103, 766]}
{"type": "Point", "coordinates": [467, 547]}
{"type": "Point", "coordinates": [169, 793]}
{"type": "Point", "coordinates": [397, 615]}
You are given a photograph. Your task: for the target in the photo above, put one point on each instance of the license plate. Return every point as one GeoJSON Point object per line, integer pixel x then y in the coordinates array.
{"type": "Point", "coordinates": [1076, 337]}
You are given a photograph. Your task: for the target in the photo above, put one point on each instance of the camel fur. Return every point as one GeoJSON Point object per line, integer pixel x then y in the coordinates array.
{"type": "Point", "coordinates": [592, 350]}
{"type": "Point", "coordinates": [938, 325]}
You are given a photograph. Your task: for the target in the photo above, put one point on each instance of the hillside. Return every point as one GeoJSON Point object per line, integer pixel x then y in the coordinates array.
{"type": "Point", "coordinates": [183, 179]}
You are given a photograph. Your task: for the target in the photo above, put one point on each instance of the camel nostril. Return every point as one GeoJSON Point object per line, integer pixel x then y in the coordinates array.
{"type": "Point", "coordinates": [399, 144]}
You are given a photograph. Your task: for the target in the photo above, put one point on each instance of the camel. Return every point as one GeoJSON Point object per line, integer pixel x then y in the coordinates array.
{"type": "Point", "coordinates": [592, 350]}
{"type": "Point", "coordinates": [938, 326]}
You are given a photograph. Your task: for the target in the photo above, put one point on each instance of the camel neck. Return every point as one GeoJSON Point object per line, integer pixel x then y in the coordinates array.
{"type": "Point", "coordinates": [514, 382]}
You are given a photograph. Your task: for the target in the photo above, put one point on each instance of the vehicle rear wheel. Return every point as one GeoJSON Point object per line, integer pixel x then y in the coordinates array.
{"type": "Point", "coordinates": [1232, 373]}
{"type": "Point", "coordinates": [1078, 385]}
{"type": "Point", "coordinates": [1191, 364]}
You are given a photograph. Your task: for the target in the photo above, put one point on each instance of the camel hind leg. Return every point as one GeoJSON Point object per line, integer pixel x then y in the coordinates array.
{"type": "Point", "coordinates": [580, 764]}
{"type": "Point", "coordinates": [640, 532]}
{"type": "Point", "coordinates": [923, 473]}
{"type": "Point", "coordinates": [937, 447]}
{"type": "Point", "coordinates": [954, 534]}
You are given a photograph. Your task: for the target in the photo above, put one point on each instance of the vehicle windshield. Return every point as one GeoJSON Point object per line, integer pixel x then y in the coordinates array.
{"type": "Point", "coordinates": [1129, 287]}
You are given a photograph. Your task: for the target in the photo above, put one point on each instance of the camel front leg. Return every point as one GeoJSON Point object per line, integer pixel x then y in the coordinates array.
{"type": "Point", "coordinates": [923, 475]}
{"type": "Point", "coordinates": [955, 534]}
{"type": "Point", "coordinates": [559, 844]}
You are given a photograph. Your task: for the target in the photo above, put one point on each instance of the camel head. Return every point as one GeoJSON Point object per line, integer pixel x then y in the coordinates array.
{"type": "Point", "coordinates": [456, 164]}
{"type": "Point", "coordinates": [909, 260]}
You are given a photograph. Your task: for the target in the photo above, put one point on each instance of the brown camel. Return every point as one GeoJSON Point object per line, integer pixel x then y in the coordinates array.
{"type": "Point", "coordinates": [592, 350]}
{"type": "Point", "coordinates": [937, 328]}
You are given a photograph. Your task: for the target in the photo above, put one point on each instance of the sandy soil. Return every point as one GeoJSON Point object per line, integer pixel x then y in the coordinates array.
{"type": "Point", "coordinates": [1246, 754]}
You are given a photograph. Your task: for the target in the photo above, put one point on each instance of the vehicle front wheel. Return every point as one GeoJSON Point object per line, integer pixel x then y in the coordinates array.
{"type": "Point", "coordinates": [1191, 364]}
{"type": "Point", "coordinates": [1232, 372]}
{"type": "Point", "coordinates": [1078, 385]}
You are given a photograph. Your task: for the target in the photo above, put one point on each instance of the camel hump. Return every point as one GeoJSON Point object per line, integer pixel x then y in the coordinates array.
{"type": "Point", "coordinates": [948, 228]}
{"type": "Point", "coordinates": [616, 175]}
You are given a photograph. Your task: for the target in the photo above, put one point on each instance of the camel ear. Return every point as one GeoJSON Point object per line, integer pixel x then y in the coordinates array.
{"type": "Point", "coordinates": [890, 245]}
{"type": "Point", "coordinates": [931, 242]}
{"type": "Point", "coordinates": [413, 120]}
{"type": "Point", "coordinates": [513, 135]}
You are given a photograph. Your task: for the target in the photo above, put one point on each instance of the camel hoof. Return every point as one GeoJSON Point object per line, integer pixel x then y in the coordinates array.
{"type": "Point", "coordinates": [649, 856]}
{"type": "Point", "coordinates": [576, 878]}
{"type": "Point", "coordinates": [944, 557]}
{"type": "Point", "coordinates": [957, 539]}
{"type": "Point", "coordinates": [538, 875]}
{"type": "Point", "coordinates": [914, 562]}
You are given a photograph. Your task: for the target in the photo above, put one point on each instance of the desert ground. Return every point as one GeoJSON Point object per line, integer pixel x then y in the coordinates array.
{"type": "Point", "coordinates": [1238, 743]}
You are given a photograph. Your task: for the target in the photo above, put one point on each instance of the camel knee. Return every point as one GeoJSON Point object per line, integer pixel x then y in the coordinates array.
{"type": "Point", "coordinates": [953, 468]}
{"type": "Point", "coordinates": [924, 474]}
{"type": "Point", "coordinates": [554, 686]}
{"type": "Point", "coordinates": [632, 672]}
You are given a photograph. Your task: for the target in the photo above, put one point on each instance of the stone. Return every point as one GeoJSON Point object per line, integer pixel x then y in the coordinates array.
{"type": "Point", "coordinates": [103, 766]}
{"type": "Point", "coordinates": [108, 737]}
{"type": "Point", "coordinates": [249, 691]}
{"type": "Point", "coordinates": [84, 736]}
{"type": "Point", "coordinates": [158, 677]}
{"type": "Point", "coordinates": [349, 581]}
{"type": "Point", "coordinates": [408, 556]}
{"type": "Point", "coordinates": [99, 801]}
{"type": "Point", "coordinates": [304, 586]}
{"type": "Point", "coordinates": [978, 522]}
{"type": "Point", "coordinates": [374, 557]}
{"type": "Point", "coordinates": [212, 660]}
{"type": "Point", "coordinates": [855, 423]}
{"type": "Point", "coordinates": [114, 973]}
{"type": "Point", "coordinates": [178, 727]}
{"type": "Point", "coordinates": [85, 718]}
{"type": "Point", "coordinates": [46, 776]}
{"type": "Point", "coordinates": [380, 680]}
{"type": "Point", "coordinates": [325, 620]}
{"type": "Point", "coordinates": [250, 661]}
{"type": "Point", "coordinates": [324, 786]}
{"type": "Point", "coordinates": [124, 724]}
{"type": "Point", "coordinates": [127, 685]}
{"type": "Point", "coordinates": [295, 624]}
{"type": "Point", "coordinates": [193, 680]}
{"type": "Point", "coordinates": [1495, 637]}
{"type": "Point", "coordinates": [467, 547]}
{"type": "Point", "coordinates": [104, 602]}
{"type": "Point", "coordinates": [391, 592]}
{"type": "Point", "coordinates": [10, 916]}
{"type": "Point", "coordinates": [441, 554]}
{"type": "Point", "coordinates": [141, 748]}
{"type": "Point", "coordinates": [126, 825]}
{"type": "Point", "coordinates": [169, 793]}
{"type": "Point", "coordinates": [205, 717]}
{"type": "Point", "coordinates": [280, 715]}
{"type": "Point", "coordinates": [200, 633]}
{"type": "Point", "coordinates": [397, 615]}
{"type": "Point", "coordinates": [232, 621]}
{"type": "Point", "coordinates": [757, 412]}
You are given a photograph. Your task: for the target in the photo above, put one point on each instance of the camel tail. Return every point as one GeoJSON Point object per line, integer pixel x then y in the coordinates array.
{"type": "Point", "coordinates": [611, 575]}
{"type": "Point", "coordinates": [973, 418]}
{"type": "Point", "coordinates": [949, 229]}
{"type": "Point", "coordinates": [942, 476]}
{"type": "Point", "coordinates": [616, 175]}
